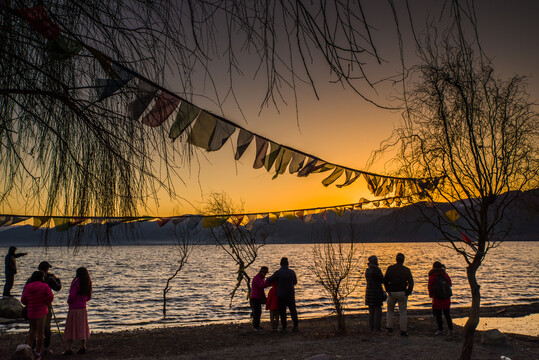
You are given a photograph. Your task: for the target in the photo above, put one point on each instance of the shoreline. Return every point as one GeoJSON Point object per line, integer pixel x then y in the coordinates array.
{"type": "Point", "coordinates": [316, 336]}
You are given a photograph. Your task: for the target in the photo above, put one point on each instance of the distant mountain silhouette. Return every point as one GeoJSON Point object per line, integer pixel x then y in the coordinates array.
{"type": "Point", "coordinates": [405, 224]}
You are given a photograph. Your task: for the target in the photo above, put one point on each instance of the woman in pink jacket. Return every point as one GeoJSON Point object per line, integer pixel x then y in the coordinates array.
{"type": "Point", "coordinates": [77, 318]}
{"type": "Point", "coordinates": [37, 296]}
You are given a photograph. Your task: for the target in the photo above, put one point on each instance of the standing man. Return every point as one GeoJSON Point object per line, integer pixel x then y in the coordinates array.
{"type": "Point", "coordinates": [11, 269]}
{"type": "Point", "coordinates": [399, 283]}
{"type": "Point", "coordinates": [55, 284]}
{"type": "Point", "coordinates": [258, 297]}
{"type": "Point", "coordinates": [286, 279]}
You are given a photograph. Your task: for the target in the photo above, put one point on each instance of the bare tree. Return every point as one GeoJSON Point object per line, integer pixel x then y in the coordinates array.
{"type": "Point", "coordinates": [336, 265]}
{"type": "Point", "coordinates": [241, 242]}
{"type": "Point", "coordinates": [481, 133]}
{"type": "Point", "coordinates": [184, 246]}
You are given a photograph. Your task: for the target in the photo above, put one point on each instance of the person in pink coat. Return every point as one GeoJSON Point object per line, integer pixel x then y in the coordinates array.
{"type": "Point", "coordinates": [440, 292]}
{"type": "Point", "coordinates": [37, 296]}
{"type": "Point", "coordinates": [77, 317]}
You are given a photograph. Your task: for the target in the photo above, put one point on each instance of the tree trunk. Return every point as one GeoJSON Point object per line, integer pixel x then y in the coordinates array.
{"type": "Point", "coordinates": [473, 319]}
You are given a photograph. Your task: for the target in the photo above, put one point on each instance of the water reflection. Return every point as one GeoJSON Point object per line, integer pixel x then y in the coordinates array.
{"type": "Point", "coordinates": [129, 280]}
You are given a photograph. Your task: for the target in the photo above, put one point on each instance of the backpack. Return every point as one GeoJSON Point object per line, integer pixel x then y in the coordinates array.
{"type": "Point", "coordinates": [441, 288]}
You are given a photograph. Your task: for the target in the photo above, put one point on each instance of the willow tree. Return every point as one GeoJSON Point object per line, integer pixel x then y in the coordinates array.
{"type": "Point", "coordinates": [481, 133]}
{"type": "Point", "coordinates": [67, 150]}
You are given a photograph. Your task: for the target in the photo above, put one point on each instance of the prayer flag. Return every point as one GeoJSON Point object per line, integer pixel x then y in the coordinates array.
{"type": "Point", "coordinates": [333, 177]}
{"type": "Point", "coordinates": [213, 221]}
{"type": "Point", "coordinates": [164, 106]}
{"type": "Point", "coordinates": [283, 158]}
{"type": "Point", "coordinates": [244, 139]}
{"type": "Point", "coordinates": [290, 215]}
{"type": "Point", "coordinates": [107, 87]}
{"type": "Point", "coordinates": [145, 94]}
{"type": "Point", "coordinates": [261, 149]}
{"type": "Point", "coordinates": [62, 48]}
{"type": "Point", "coordinates": [187, 114]}
{"type": "Point", "coordinates": [162, 221]}
{"type": "Point", "coordinates": [308, 168]}
{"type": "Point", "coordinates": [269, 160]}
{"type": "Point", "coordinates": [296, 163]}
{"type": "Point", "coordinates": [12, 220]}
{"type": "Point", "coordinates": [351, 176]}
{"type": "Point", "coordinates": [39, 221]}
{"type": "Point", "coordinates": [40, 21]}
{"type": "Point", "coordinates": [466, 238]}
{"type": "Point", "coordinates": [221, 133]}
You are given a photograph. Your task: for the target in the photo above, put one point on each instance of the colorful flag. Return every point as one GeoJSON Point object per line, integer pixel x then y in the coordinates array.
{"type": "Point", "coordinates": [164, 106]}
{"type": "Point", "coordinates": [351, 176]}
{"type": "Point", "coordinates": [270, 158]}
{"type": "Point", "coordinates": [39, 20]}
{"type": "Point", "coordinates": [39, 221]}
{"type": "Point", "coordinates": [107, 87]}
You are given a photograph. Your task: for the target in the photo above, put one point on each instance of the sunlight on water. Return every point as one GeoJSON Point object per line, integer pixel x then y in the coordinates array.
{"type": "Point", "coordinates": [129, 280]}
{"type": "Point", "coordinates": [527, 325]}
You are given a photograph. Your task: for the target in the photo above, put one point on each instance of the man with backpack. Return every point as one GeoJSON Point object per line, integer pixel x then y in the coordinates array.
{"type": "Point", "coordinates": [399, 284]}
{"type": "Point", "coordinates": [440, 291]}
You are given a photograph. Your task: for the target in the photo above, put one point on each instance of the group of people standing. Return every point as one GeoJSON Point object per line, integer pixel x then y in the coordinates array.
{"type": "Point", "coordinates": [280, 297]}
{"type": "Point", "coordinates": [399, 284]}
{"type": "Point", "coordinates": [37, 296]}
{"type": "Point", "coordinates": [394, 287]}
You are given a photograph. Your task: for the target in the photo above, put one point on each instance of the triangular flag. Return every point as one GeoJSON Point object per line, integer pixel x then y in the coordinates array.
{"type": "Point", "coordinates": [466, 238]}
{"type": "Point", "coordinates": [162, 221]}
{"type": "Point", "coordinates": [269, 160]}
{"type": "Point", "coordinates": [193, 221]}
{"type": "Point", "coordinates": [236, 220]}
{"type": "Point", "coordinates": [339, 210]}
{"type": "Point", "coordinates": [351, 176]}
{"type": "Point", "coordinates": [244, 139]}
{"type": "Point", "coordinates": [221, 133]}
{"type": "Point", "coordinates": [308, 168]}
{"type": "Point", "coordinates": [202, 131]}
{"type": "Point", "coordinates": [251, 222]}
{"type": "Point", "coordinates": [12, 220]}
{"type": "Point", "coordinates": [39, 20]}
{"type": "Point", "coordinates": [187, 114]}
{"type": "Point", "coordinates": [299, 214]}
{"type": "Point", "coordinates": [296, 163]}
{"type": "Point", "coordinates": [322, 166]}
{"type": "Point", "coordinates": [39, 221]}
{"type": "Point", "coordinates": [61, 223]}
{"type": "Point", "coordinates": [333, 177]}
{"type": "Point", "coordinates": [261, 149]}
{"type": "Point", "coordinates": [62, 48]}
{"type": "Point", "coordinates": [146, 92]}
{"type": "Point", "coordinates": [107, 87]}
{"type": "Point", "coordinates": [283, 158]}
{"type": "Point", "coordinates": [274, 216]}
{"type": "Point", "coordinates": [164, 106]}
{"type": "Point", "coordinates": [290, 215]}
{"type": "Point", "coordinates": [213, 221]}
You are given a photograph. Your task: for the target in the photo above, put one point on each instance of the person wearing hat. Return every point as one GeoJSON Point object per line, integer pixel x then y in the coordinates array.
{"type": "Point", "coordinates": [374, 293]}
{"type": "Point", "coordinates": [258, 297]}
{"type": "Point", "coordinates": [399, 284]}
{"type": "Point", "coordinates": [55, 284]}
{"type": "Point", "coordinates": [11, 269]}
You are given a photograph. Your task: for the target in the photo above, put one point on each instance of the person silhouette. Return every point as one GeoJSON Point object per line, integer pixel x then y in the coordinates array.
{"type": "Point", "coordinates": [11, 269]}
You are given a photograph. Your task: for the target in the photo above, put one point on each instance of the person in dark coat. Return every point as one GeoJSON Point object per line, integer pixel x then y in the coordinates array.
{"type": "Point", "coordinates": [11, 269]}
{"type": "Point", "coordinates": [440, 306]}
{"type": "Point", "coordinates": [399, 284]}
{"type": "Point", "coordinates": [286, 297]}
{"type": "Point", "coordinates": [374, 293]}
{"type": "Point", "coordinates": [56, 285]}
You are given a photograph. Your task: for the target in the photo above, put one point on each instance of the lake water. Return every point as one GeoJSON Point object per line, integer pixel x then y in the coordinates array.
{"type": "Point", "coordinates": [128, 281]}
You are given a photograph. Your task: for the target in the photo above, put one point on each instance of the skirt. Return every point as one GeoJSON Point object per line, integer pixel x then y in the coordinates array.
{"type": "Point", "coordinates": [77, 325]}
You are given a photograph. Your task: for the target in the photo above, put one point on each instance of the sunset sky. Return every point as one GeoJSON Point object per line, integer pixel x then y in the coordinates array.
{"type": "Point", "coordinates": [340, 127]}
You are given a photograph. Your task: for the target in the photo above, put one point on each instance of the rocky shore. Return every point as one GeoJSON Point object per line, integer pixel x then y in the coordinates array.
{"type": "Point", "coordinates": [317, 338]}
